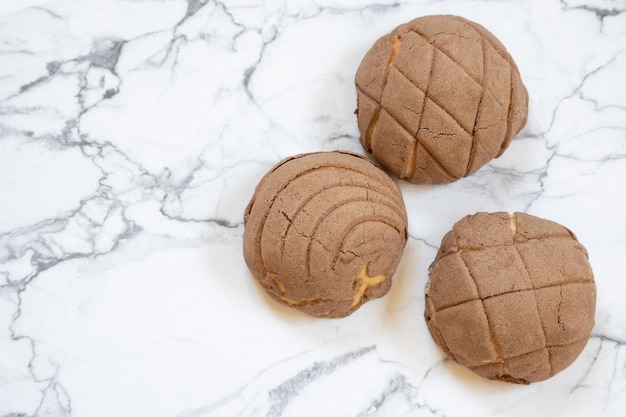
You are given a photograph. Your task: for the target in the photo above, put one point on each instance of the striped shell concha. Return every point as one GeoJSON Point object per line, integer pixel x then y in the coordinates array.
{"type": "Point", "coordinates": [324, 232]}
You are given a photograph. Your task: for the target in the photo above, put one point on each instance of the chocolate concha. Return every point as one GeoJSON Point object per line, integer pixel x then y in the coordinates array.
{"type": "Point", "coordinates": [511, 297]}
{"type": "Point", "coordinates": [438, 98]}
{"type": "Point", "coordinates": [324, 232]}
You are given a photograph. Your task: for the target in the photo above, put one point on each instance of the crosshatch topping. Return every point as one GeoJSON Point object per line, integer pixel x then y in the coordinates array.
{"type": "Point", "coordinates": [512, 297]}
{"type": "Point", "coordinates": [438, 98]}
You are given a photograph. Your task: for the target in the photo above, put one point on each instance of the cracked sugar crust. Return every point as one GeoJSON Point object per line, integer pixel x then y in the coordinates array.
{"type": "Point", "coordinates": [438, 98]}
{"type": "Point", "coordinates": [511, 297]}
{"type": "Point", "coordinates": [324, 232]}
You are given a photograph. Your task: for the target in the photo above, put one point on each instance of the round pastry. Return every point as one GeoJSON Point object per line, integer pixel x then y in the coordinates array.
{"type": "Point", "coordinates": [324, 232]}
{"type": "Point", "coordinates": [511, 297]}
{"type": "Point", "coordinates": [438, 98]}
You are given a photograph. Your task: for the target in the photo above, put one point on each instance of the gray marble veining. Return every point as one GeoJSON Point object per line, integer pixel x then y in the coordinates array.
{"type": "Point", "coordinates": [132, 134]}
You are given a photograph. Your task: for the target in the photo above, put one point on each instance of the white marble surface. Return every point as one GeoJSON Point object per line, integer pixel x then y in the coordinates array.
{"type": "Point", "coordinates": [132, 134]}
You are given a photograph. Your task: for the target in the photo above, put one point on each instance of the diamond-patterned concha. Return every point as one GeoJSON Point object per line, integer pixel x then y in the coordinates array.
{"type": "Point", "coordinates": [511, 297]}
{"type": "Point", "coordinates": [438, 98]}
{"type": "Point", "coordinates": [324, 232]}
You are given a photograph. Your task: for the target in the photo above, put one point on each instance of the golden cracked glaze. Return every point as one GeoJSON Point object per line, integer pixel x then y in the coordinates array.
{"type": "Point", "coordinates": [511, 297]}
{"type": "Point", "coordinates": [365, 283]}
{"type": "Point", "coordinates": [362, 283]}
{"type": "Point", "coordinates": [438, 98]}
{"type": "Point", "coordinates": [324, 232]}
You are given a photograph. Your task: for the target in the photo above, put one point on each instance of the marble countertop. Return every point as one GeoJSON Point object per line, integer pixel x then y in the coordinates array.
{"type": "Point", "coordinates": [132, 135]}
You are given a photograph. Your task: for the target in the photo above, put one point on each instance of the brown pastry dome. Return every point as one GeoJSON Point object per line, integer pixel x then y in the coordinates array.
{"type": "Point", "coordinates": [438, 98]}
{"type": "Point", "coordinates": [511, 297]}
{"type": "Point", "coordinates": [324, 232]}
